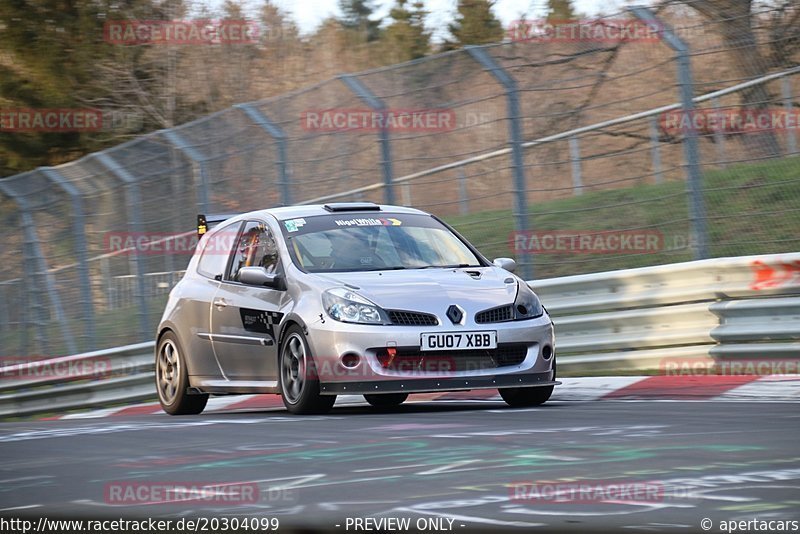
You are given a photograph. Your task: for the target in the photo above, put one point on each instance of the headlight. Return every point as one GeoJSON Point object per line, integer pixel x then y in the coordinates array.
{"type": "Point", "coordinates": [347, 306]}
{"type": "Point", "coordinates": [527, 305]}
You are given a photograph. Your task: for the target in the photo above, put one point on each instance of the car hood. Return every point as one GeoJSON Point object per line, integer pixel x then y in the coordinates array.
{"type": "Point", "coordinates": [433, 290]}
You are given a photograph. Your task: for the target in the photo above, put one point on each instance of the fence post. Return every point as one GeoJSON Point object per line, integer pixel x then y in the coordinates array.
{"type": "Point", "coordinates": [719, 137]}
{"type": "Point", "coordinates": [4, 317]}
{"type": "Point", "coordinates": [515, 140]}
{"type": "Point", "coordinates": [463, 195]}
{"type": "Point", "coordinates": [376, 104]}
{"type": "Point", "coordinates": [786, 95]}
{"type": "Point", "coordinates": [405, 190]}
{"type": "Point", "coordinates": [277, 133]}
{"type": "Point", "coordinates": [37, 258]}
{"type": "Point", "coordinates": [199, 159]}
{"type": "Point", "coordinates": [108, 288]}
{"type": "Point", "coordinates": [133, 202]}
{"type": "Point", "coordinates": [32, 298]}
{"type": "Point", "coordinates": [81, 251]}
{"type": "Point", "coordinates": [655, 150]}
{"type": "Point", "coordinates": [697, 210]}
{"type": "Point", "coordinates": [575, 159]}
{"type": "Point", "coordinates": [23, 310]}
{"type": "Point", "coordinates": [169, 264]}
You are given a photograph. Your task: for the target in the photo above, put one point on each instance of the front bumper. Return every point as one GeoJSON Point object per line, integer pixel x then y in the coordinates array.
{"type": "Point", "coordinates": [330, 341]}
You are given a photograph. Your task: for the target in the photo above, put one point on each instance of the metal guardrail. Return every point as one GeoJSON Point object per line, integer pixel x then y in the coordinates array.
{"type": "Point", "coordinates": [637, 319]}
{"type": "Point", "coordinates": [744, 307]}
{"type": "Point", "coordinates": [769, 327]}
{"type": "Point", "coordinates": [100, 378]}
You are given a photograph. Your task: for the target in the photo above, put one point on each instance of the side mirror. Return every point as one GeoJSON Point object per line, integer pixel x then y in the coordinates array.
{"type": "Point", "coordinates": [506, 263]}
{"type": "Point", "coordinates": [258, 276]}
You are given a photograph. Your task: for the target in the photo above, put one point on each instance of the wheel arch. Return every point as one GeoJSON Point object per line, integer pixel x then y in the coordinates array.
{"type": "Point", "coordinates": [163, 330]}
{"type": "Point", "coordinates": [290, 320]}
{"type": "Point", "coordinates": [166, 328]}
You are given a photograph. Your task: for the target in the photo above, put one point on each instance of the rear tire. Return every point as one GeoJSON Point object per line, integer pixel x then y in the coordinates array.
{"type": "Point", "coordinates": [172, 379]}
{"type": "Point", "coordinates": [297, 376]}
{"type": "Point", "coordinates": [386, 401]}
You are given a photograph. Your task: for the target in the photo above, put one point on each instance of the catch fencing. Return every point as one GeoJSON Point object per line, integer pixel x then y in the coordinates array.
{"type": "Point", "coordinates": [571, 157]}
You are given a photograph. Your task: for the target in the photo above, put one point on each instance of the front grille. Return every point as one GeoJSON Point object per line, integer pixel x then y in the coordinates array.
{"type": "Point", "coordinates": [500, 314]}
{"type": "Point", "coordinates": [411, 359]}
{"type": "Point", "coordinates": [409, 318]}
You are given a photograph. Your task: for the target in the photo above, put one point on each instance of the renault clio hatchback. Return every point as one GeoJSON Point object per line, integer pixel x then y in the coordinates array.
{"type": "Point", "coordinates": [311, 302]}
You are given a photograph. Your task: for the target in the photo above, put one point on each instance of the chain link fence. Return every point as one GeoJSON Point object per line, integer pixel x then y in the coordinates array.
{"type": "Point", "coordinates": [571, 155]}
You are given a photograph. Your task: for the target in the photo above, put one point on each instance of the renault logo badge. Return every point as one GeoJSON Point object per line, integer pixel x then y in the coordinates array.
{"type": "Point", "coordinates": [455, 313]}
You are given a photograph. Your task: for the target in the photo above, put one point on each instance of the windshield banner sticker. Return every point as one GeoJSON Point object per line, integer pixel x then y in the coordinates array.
{"type": "Point", "coordinates": [368, 222]}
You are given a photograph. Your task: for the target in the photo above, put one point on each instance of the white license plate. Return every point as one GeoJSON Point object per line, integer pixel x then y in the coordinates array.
{"type": "Point", "coordinates": [459, 340]}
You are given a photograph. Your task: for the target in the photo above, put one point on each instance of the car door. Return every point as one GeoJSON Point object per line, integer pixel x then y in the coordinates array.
{"type": "Point", "coordinates": [196, 295]}
{"type": "Point", "coordinates": [244, 318]}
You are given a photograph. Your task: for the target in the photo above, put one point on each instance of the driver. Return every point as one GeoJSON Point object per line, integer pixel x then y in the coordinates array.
{"type": "Point", "coordinates": [352, 250]}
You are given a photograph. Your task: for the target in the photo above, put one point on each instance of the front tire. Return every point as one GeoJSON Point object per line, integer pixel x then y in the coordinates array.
{"type": "Point", "coordinates": [172, 379]}
{"type": "Point", "coordinates": [527, 397]}
{"type": "Point", "coordinates": [299, 387]}
{"type": "Point", "coordinates": [387, 400]}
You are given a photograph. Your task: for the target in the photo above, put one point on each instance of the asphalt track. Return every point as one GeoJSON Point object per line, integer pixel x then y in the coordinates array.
{"type": "Point", "coordinates": [451, 460]}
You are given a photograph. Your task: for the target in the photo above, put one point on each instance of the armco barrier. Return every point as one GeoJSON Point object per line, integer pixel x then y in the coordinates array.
{"type": "Point", "coordinates": [99, 378]}
{"type": "Point", "coordinates": [746, 307]}
{"type": "Point", "coordinates": [635, 319]}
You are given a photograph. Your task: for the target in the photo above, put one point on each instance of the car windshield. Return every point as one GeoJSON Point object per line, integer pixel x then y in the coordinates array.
{"type": "Point", "coordinates": [359, 242]}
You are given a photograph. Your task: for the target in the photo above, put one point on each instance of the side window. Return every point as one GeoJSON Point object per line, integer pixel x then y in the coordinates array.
{"type": "Point", "coordinates": [217, 248]}
{"type": "Point", "coordinates": [256, 248]}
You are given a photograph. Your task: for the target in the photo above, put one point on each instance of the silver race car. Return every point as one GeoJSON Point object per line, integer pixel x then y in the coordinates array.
{"type": "Point", "coordinates": [311, 302]}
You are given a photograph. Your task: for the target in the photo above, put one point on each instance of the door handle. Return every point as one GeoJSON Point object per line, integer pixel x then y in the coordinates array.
{"type": "Point", "coordinates": [220, 303]}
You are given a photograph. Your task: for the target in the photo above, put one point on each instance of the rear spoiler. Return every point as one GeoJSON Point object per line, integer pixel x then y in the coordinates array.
{"type": "Point", "coordinates": [207, 222]}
